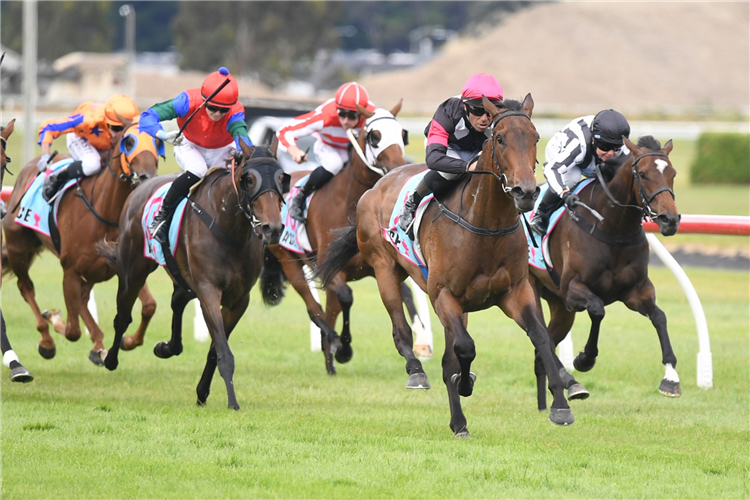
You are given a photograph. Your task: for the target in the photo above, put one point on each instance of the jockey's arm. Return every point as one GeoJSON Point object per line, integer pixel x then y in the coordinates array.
{"type": "Point", "coordinates": [54, 128]}
{"type": "Point", "coordinates": [150, 120]}
{"type": "Point", "coordinates": [237, 127]}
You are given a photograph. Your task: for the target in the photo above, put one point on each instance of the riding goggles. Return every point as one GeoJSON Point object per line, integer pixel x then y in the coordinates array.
{"type": "Point", "coordinates": [217, 109]}
{"type": "Point", "coordinates": [605, 146]}
{"type": "Point", "coordinates": [351, 115]}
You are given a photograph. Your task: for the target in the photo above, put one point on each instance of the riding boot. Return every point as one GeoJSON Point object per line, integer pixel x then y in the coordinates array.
{"type": "Point", "coordinates": [408, 211]}
{"type": "Point", "coordinates": [177, 191]}
{"type": "Point", "coordinates": [319, 177]}
{"type": "Point", "coordinates": [56, 180]}
{"type": "Point", "coordinates": [550, 202]}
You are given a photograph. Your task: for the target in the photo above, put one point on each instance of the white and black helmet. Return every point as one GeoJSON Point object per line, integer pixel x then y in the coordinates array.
{"type": "Point", "coordinates": [608, 127]}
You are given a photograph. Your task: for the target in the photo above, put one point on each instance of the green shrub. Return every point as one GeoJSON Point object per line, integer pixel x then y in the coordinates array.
{"type": "Point", "coordinates": [722, 159]}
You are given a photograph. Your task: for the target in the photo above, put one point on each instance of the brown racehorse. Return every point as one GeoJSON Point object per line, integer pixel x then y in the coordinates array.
{"type": "Point", "coordinates": [601, 263]}
{"type": "Point", "coordinates": [332, 207]}
{"type": "Point", "coordinates": [18, 373]}
{"type": "Point", "coordinates": [84, 218]}
{"type": "Point", "coordinates": [229, 219]}
{"type": "Point", "coordinates": [474, 263]}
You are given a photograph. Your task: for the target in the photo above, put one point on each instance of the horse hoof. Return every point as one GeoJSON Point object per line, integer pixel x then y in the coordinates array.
{"type": "Point", "coordinates": [582, 364]}
{"type": "Point", "coordinates": [670, 389]}
{"type": "Point", "coordinates": [423, 351]}
{"type": "Point", "coordinates": [456, 380]}
{"type": "Point", "coordinates": [463, 434]}
{"type": "Point", "coordinates": [577, 391]}
{"type": "Point", "coordinates": [97, 357]}
{"type": "Point", "coordinates": [161, 350]}
{"type": "Point", "coordinates": [418, 381]}
{"type": "Point", "coordinates": [561, 416]}
{"type": "Point", "coordinates": [344, 353]}
{"type": "Point", "coordinates": [46, 353]}
{"type": "Point", "coordinates": [21, 374]}
{"type": "Point", "coordinates": [111, 362]}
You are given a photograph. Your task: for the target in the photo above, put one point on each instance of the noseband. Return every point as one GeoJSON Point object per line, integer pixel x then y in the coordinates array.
{"type": "Point", "coordinates": [269, 176]}
{"type": "Point", "coordinates": [645, 198]}
{"type": "Point", "coordinates": [377, 167]}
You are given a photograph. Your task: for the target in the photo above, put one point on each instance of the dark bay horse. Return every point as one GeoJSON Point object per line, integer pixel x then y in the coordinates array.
{"type": "Point", "coordinates": [18, 373]}
{"type": "Point", "coordinates": [604, 262]}
{"type": "Point", "coordinates": [84, 219]}
{"type": "Point", "coordinates": [332, 207]}
{"type": "Point", "coordinates": [475, 263]}
{"type": "Point", "coordinates": [231, 215]}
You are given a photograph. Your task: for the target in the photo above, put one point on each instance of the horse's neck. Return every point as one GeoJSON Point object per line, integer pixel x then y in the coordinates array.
{"type": "Point", "coordinates": [485, 204]}
{"type": "Point", "coordinates": [619, 219]}
{"type": "Point", "coordinates": [107, 193]}
{"type": "Point", "coordinates": [224, 206]}
{"type": "Point", "coordinates": [359, 179]}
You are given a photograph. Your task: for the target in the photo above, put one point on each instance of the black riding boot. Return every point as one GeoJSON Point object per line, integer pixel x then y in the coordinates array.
{"type": "Point", "coordinates": [408, 211]}
{"type": "Point", "coordinates": [550, 202]}
{"type": "Point", "coordinates": [55, 181]}
{"type": "Point", "coordinates": [177, 191]}
{"type": "Point", "coordinates": [319, 177]}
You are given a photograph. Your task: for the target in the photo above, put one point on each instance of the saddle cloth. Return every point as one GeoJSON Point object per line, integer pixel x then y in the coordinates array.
{"type": "Point", "coordinates": [34, 210]}
{"type": "Point", "coordinates": [152, 248]}
{"type": "Point", "coordinates": [404, 245]}
{"type": "Point", "coordinates": [294, 237]}
{"type": "Point", "coordinates": [539, 257]}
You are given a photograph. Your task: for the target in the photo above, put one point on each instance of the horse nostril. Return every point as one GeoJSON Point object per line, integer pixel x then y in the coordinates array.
{"type": "Point", "coordinates": [518, 192]}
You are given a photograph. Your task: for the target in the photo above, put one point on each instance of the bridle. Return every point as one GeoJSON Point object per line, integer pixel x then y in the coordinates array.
{"type": "Point", "coordinates": [127, 173]}
{"type": "Point", "coordinates": [375, 165]}
{"type": "Point", "coordinates": [500, 175]}
{"type": "Point", "coordinates": [269, 176]}
{"type": "Point", "coordinates": [645, 198]}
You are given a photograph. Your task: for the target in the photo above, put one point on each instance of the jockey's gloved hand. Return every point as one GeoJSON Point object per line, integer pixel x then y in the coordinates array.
{"type": "Point", "coordinates": [571, 199]}
{"type": "Point", "coordinates": [170, 137]}
{"type": "Point", "coordinates": [42, 164]}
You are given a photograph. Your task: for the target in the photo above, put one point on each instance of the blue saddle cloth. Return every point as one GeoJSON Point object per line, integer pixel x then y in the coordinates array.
{"type": "Point", "coordinates": [396, 236]}
{"type": "Point", "coordinates": [294, 236]}
{"type": "Point", "coordinates": [34, 210]}
{"type": "Point", "coordinates": [538, 257]}
{"type": "Point", "coordinates": [152, 248]}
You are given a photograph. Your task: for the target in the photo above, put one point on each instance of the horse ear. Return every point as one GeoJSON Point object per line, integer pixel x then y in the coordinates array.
{"type": "Point", "coordinates": [494, 111]}
{"type": "Point", "coordinates": [528, 104]}
{"type": "Point", "coordinates": [631, 145]}
{"type": "Point", "coordinates": [397, 107]}
{"type": "Point", "coordinates": [126, 122]}
{"type": "Point", "coordinates": [274, 146]}
{"type": "Point", "coordinates": [247, 151]}
{"type": "Point", "coordinates": [668, 147]}
{"type": "Point", "coordinates": [363, 111]}
{"type": "Point", "coordinates": [9, 128]}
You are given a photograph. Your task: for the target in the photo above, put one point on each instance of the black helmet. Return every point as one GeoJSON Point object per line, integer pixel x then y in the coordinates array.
{"type": "Point", "coordinates": [609, 126]}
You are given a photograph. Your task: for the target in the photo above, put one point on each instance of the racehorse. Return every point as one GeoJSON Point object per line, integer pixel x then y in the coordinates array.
{"type": "Point", "coordinates": [18, 373]}
{"type": "Point", "coordinates": [332, 207]}
{"type": "Point", "coordinates": [473, 249]}
{"type": "Point", "coordinates": [219, 256]}
{"type": "Point", "coordinates": [83, 220]}
{"type": "Point", "coordinates": [599, 263]}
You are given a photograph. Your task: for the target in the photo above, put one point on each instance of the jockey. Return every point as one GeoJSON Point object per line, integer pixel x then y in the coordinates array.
{"type": "Point", "coordinates": [88, 133]}
{"type": "Point", "coordinates": [455, 137]}
{"type": "Point", "coordinates": [328, 123]}
{"type": "Point", "coordinates": [210, 138]}
{"type": "Point", "coordinates": [572, 153]}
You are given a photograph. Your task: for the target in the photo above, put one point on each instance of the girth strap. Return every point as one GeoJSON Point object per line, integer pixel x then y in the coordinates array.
{"type": "Point", "coordinates": [606, 237]}
{"type": "Point", "coordinates": [211, 224]}
{"type": "Point", "coordinates": [474, 229]}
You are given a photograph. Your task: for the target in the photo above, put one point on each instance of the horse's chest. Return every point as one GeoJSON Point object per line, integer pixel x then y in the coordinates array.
{"type": "Point", "coordinates": [611, 284]}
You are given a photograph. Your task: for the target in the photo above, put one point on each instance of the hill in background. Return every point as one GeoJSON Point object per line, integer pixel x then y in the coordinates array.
{"type": "Point", "coordinates": [649, 59]}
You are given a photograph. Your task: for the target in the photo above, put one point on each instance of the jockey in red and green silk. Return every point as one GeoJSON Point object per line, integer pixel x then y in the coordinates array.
{"type": "Point", "coordinates": [88, 133]}
{"type": "Point", "coordinates": [210, 138]}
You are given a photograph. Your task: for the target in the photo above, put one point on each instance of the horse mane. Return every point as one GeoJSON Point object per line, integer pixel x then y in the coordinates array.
{"type": "Point", "coordinates": [262, 152]}
{"type": "Point", "coordinates": [510, 105]}
{"type": "Point", "coordinates": [648, 141]}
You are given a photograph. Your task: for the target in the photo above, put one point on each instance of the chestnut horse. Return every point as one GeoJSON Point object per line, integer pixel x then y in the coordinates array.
{"type": "Point", "coordinates": [476, 262]}
{"type": "Point", "coordinates": [599, 263]}
{"type": "Point", "coordinates": [83, 220]}
{"type": "Point", "coordinates": [332, 207]}
{"type": "Point", "coordinates": [229, 219]}
{"type": "Point", "coordinates": [18, 373]}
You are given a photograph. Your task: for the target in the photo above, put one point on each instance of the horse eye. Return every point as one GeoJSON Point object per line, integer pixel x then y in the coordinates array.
{"type": "Point", "coordinates": [499, 139]}
{"type": "Point", "coordinates": [642, 175]}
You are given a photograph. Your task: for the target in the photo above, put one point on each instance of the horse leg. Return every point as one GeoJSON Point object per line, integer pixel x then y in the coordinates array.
{"type": "Point", "coordinates": [520, 305]}
{"type": "Point", "coordinates": [18, 373]}
{"type": "Point", "coordinates": [211, 307]}
{"type": "Point", "coordinates": [423, 350]}
{"type": "Point", "coordinates": [580, 298]}
{"type": "Point", "coordinates": [73, 291]}
{"type": "Point", "coordinates": [231, 318]}
{"type": "Point", "coordinates": [98, 353]}
{"type": "Point", "coordinates": [644, 301]}
{"type": "Point", "coordinates": [46, 347]}
{"type": "Point", "coordinates": [148, 309]}
{"type": "Point", "coordinates": [561, 321]}
{"type": "Point", "coordinates": [389, 286]}
{"type": "Point", "coordinates": [459, 353]}
{"type": "Point", "coordinates": [339, 298]}
{"type": "Point", "coordinates": [180, 299]}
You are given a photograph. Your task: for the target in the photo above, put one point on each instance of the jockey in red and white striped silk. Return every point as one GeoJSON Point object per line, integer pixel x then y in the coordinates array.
{"type": "Point", "coordinates": [88, 133]}
{"type": "Point", "coordinates": [328, 123]}
{"type": "Point", "coordinates": [211, 137]}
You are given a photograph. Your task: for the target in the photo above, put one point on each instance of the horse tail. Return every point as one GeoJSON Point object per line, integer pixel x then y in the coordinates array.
{"type": "Point", "coordinates": [108, 250]}
{"type": "Point", "coordinates": [272, 279]}
{"type": "Point", "coordinates": [342, 249]}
